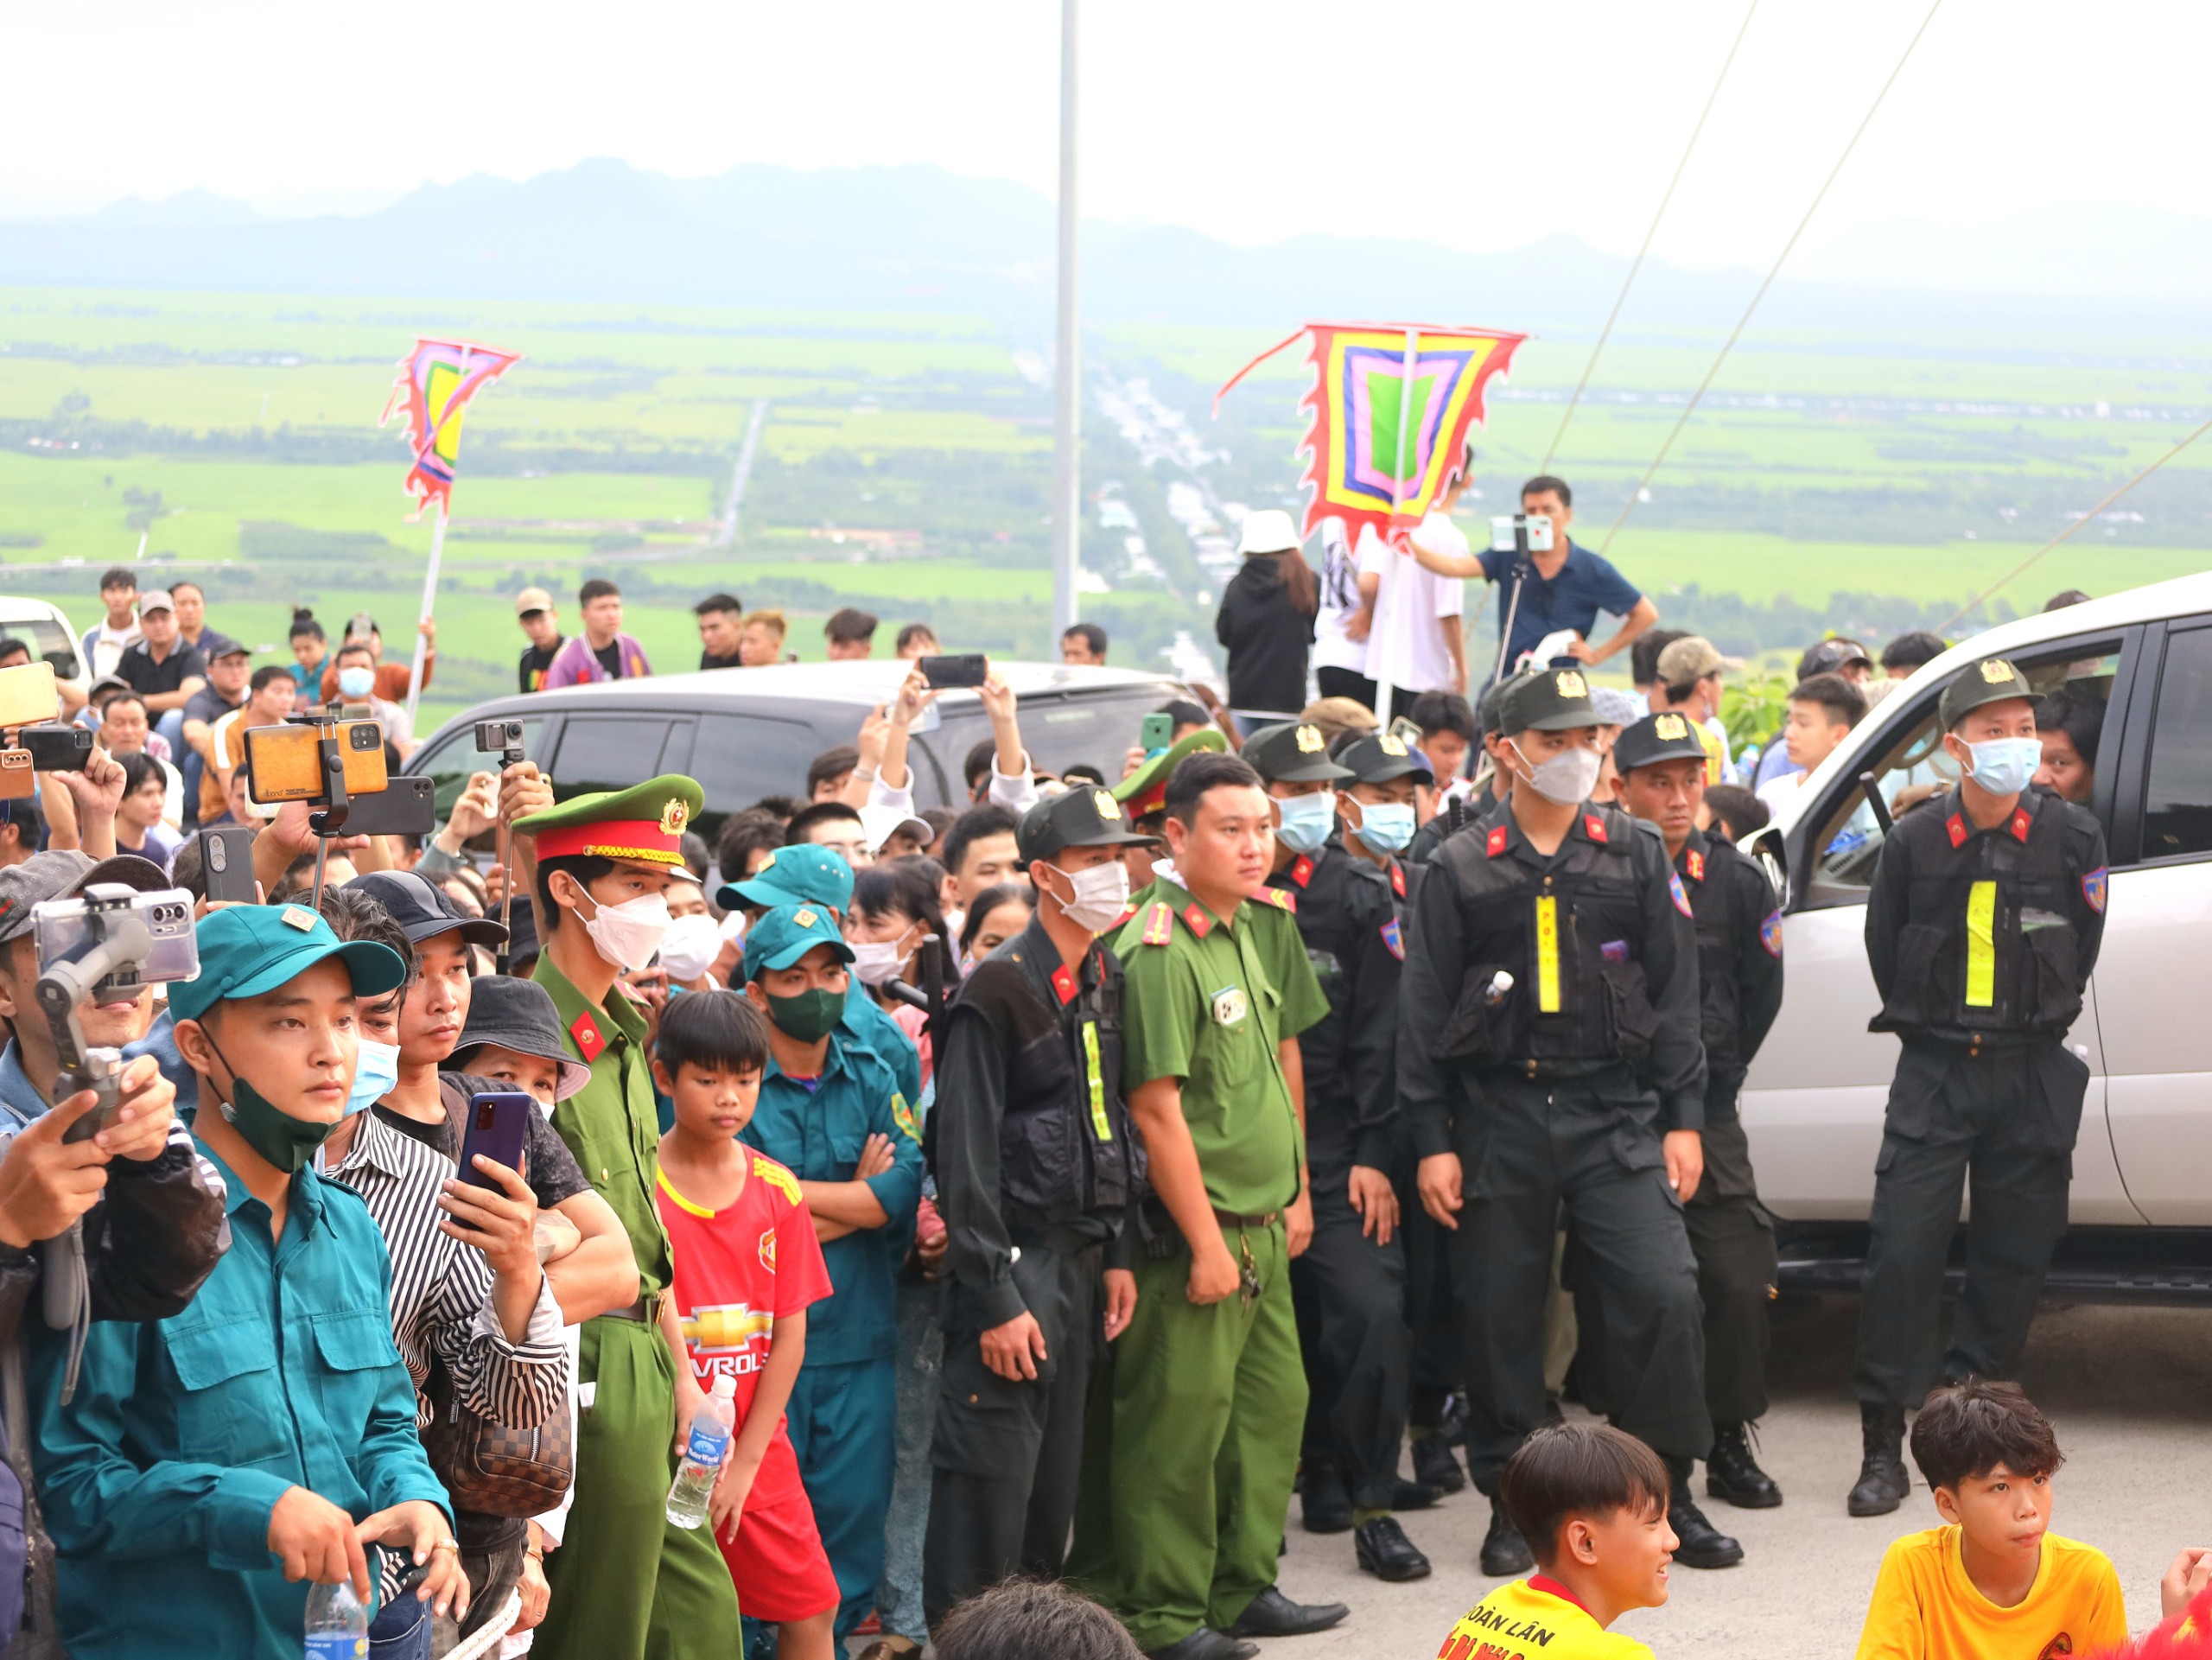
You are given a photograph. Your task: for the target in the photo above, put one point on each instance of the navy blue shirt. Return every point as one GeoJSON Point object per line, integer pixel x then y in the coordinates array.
{"type": "Point", "coordinates": [1585, 585]}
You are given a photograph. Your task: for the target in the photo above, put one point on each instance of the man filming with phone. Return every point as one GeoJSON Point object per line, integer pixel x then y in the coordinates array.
{"type": "Point", "coordinates": [1547, 589]}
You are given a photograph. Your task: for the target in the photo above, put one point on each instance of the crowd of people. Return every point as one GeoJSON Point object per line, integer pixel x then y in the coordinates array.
{"type": "Point", "coordinates": [1021, 1204]}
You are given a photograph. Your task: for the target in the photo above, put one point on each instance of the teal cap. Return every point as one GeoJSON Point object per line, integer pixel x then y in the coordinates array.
{"type": "Point", "coordinates": [246, 950]}
{"type": "Point", "coordinates": [805, 874]}
{"type": "Point", "coordinates": [789, 932]}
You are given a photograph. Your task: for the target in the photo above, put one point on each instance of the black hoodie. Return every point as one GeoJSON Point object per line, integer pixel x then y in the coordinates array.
{"type": "Point", "coordinates": [1267, 638]}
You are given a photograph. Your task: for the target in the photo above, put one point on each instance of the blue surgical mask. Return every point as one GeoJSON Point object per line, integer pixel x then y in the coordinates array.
{"type": "Point", "coordinates": [1308, 821]}
{"type": "Point", "coordinates": [375, 1074]}
{"type": "Point", "coordinates": [1386, 826]}
{"type": "Point", "coordinates": [356, 682]}
{"type": "Point", "coordinates": [2004, 766]}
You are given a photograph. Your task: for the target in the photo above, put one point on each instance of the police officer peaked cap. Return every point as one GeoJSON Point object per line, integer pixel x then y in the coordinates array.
{"type": "Point", "coordinates": [1553, 700]}
{"type": "Point", "coordinates": [1381, 757]}
{"type": "Point", "coordinates": [1079, 818]}
{"type": "Point", "coordinates": [1145, 791]}
{"type": "Point", "coordinates": [1992, 680]}
{"type": "Point", "coordinates": [1294, 752]}
{"type": "Point", "coordinates": [1664, 736]}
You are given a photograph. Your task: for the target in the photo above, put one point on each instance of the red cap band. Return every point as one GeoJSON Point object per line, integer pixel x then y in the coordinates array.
{"type": "Point", "coordinates": [640, 839]}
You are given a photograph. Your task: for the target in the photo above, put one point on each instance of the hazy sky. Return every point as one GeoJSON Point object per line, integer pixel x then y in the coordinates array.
{"type": "Point", "coordinates": [1478, 123]}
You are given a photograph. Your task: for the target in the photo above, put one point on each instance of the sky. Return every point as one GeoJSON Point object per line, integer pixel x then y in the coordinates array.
{"type": "Point", "coordinates": [1477, 124]}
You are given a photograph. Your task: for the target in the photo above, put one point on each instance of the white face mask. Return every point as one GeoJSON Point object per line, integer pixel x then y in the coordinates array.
{"type": "Point", "coordinates": [689, 946]}
{"type": "Point", "coordinates": [1566, 779]}
{"type": "Point", "coordinates": [1101, 893]}
{"type": "Point", "coordinates": [876, 961]}
{"type": "Point", "coordinates": [628, 934]}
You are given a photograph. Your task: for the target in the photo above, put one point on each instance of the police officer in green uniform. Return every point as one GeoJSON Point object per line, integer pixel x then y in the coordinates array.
{"type": "Point", "coordinates": [1739, 919]}
{"type": "Point", "coordinates": [1986, 912]}
{"type": "Point", "coordinates": [1036, 1165]}
{"type": "Point", "coordinates": [1188, 1462]}
{"type": "Point", "coordinates": [1548, 1055]}
{"type": "Point", "coordinates": [624, 1581]}
{"type": "Point", "coordinates": [1351, 1283]}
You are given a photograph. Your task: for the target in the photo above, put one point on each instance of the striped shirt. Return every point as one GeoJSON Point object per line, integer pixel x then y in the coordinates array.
{"type": "Point", "coordinates": [441, 1289]}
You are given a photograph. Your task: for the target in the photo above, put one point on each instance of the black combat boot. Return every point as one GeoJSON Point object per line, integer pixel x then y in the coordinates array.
{"type": "Point", "coordinates": [1733, 1475]}
{"type": "Point", "coordinates": [1882, 1482]}
{"type": "Point", "coordinates": [1505, 1553]}
{"type": "Point", "coordinates": [1324, 1506]}
{"type": "Point", "coordinates": [1435, 1465]}
{"type": "Point", "coordinates": [1698, 1543]}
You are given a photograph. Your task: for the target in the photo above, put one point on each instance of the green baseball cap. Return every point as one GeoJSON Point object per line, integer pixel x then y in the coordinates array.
{"type": "Point", "coordinates": [246, 950]}
{"type": "Point", "coordinates": [1992, 680]}
{"type": "Point", "coordinates": [1663, 736]}
{"type": "Point", "coordinates": [789, 932]}
{"type": "Point", "coordinates": [805, 874]}
{"type": "Point", "coordinates": [1292, 751]}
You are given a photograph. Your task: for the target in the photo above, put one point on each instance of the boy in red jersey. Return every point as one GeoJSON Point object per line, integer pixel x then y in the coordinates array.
{"type": "Point", "coordinates": [748, 1265]}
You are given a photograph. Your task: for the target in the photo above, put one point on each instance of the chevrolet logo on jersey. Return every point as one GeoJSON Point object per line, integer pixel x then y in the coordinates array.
{"type": "Point", "coordinates": [726, 1328]}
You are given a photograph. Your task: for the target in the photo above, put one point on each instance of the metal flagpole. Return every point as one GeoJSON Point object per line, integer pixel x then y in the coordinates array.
{"type": "Point", "coordinates": [1386, 597]}
{"type": "Point", "coordinates": [1067, 368]}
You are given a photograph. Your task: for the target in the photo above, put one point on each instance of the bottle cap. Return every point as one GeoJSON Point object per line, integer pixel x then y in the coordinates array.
{"type": "Point", "coordinates": [725, 1387]}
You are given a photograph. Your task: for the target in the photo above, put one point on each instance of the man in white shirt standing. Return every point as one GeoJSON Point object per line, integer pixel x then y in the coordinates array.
{"type": "Point", "coordinates": [118, 632]}
{"type": "Point", "coordinates": [1416, 644]}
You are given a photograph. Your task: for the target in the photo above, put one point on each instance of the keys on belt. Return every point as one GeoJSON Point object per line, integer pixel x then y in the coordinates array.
{"type": "Point", "coordinates": [1248, 1269]}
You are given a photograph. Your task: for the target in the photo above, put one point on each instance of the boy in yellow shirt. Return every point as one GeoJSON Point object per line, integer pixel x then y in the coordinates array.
{"type": "Point", "coordinates": [1592, 1503]}
{"type": "Point", "coordinates": [1994, 1583]}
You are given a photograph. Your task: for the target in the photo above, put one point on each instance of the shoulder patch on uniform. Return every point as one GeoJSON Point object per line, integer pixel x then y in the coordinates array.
{"type": "Point", "coordinates": [1694, 862]}
{"type": "Point", "coordinates": [1397, 879]}
{"type": "Point", "coordinates": [589, 1039]}
{"type": "Point", "coordinates": [1196, 920]}
{"type": "Point", "coordinates": [1159, 923]}
{"type": "Point", "coordinates": [1282, 898]}
{"type": "Point", "coordinates": [1496, 844]}
{"type": "Point", "coordinates": [1593, 827]}
{"type": "Point", "coordinates": [2093, 888]}
{"type": "Point", "coordinates": [1955, 828]}
{"type": "Point", "coordinates": [903, 1115]}
{"type": "Point", "coordinates": [1302, 869]}
{"type": "Point", "coordinates": [1770, 933]}
{"type": "Point", "coordinates": [1392, 940]}
{"type": "Point", "coordinates": [1674, 892]}
{"type": "Point", "coordinates": [778, 1178]}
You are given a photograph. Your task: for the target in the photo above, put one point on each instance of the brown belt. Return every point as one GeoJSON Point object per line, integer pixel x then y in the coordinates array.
{"type": "Point", "coordinates": [1230, 1220]}
{"type": "Point", "coordinates": [645, 1311]}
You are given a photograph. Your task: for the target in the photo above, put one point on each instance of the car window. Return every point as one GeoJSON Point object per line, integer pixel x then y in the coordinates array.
{"type": "Point", "coordinates": [1912, 765]}
{"type": "Point", "coordinates": [46, 638]}
{"type": "Point", "coordinates": [608, 752]}
{"type": "Point", "coordinates": [448, 762]}
{"type": "Point", "coordinates": [740, 758]}
{"type": "Point", "coordinates": [2178, 793]}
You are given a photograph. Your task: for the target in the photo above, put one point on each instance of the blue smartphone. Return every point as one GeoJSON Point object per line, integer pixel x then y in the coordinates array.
{"type": "Point", "coordinates": [498, 1128]}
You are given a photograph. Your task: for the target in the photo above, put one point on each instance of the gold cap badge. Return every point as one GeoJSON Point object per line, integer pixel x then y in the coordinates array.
{"type": "Point", "coordinates": [674, 816]}
{"type": "Point", "coordinates": [1671, 727]}
{"type": "Point", "coordinates": [1996, 672]}
{"type": "Point", "coordinates": [1309, 740]}
{"type": "Point", "coordinates": [1391, 745]}
{"type": "Point", "coordinates": [1108, 807]}
{"type": "Point", "coordinates": [1571, 684]}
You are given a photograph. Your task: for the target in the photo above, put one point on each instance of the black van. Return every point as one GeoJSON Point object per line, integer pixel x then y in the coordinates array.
{"type": "Point", "coordinates": [746, 733]}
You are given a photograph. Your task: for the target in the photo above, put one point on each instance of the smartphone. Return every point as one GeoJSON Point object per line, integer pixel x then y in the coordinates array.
{"type": "Point", "coordinates": [28, 695]}
{"type": "Point", "coordinates": [284, 763]}
{"type": "Point", "coordinates": [967, 670]}
{"type": "Point", "coordinates": [57, 748]}
{"type": "Point", "coordinates": [406, 806]}
{"type": "Point", "coordinates": [16, 773]}
{"type": "Point", "coordinates": [226, 858]}
{"type": "Point", "coordinates": [498, 1128]}
{"type": "Point", "coordinates": [1155, 732]}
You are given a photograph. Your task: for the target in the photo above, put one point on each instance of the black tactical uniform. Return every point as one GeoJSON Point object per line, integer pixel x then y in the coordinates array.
{"type": "Point", "coordinates": [1739, 922]}
{"type": "Point", "coordinates": [1037, 1165]}
{"type": "Point", "coordinates": [1548, 1036]}
{"type": "Point", "coordinates": [1350, 1288]}
{"type": "Point", "coordinates": [1982, 942]}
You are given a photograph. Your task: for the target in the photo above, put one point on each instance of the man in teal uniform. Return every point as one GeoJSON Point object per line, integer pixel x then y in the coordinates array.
{"type": "Point", "coordinates": [625, 1582]}
{"type": "Point", "coordinates": [832, 1112]}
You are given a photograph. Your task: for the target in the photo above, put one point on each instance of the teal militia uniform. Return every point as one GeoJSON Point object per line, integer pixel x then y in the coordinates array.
{"type": "Point", "coordinates": [1190, 1448]}
{"type": "Point", "coordinates": [843, 1411]}
{"type": "Point", "coordinates": [624, 1581]}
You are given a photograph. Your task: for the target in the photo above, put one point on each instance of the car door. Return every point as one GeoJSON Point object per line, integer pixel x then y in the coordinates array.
{"type": "Point", "coordinates": [1814, 1102]}
{"type": "Point", "coordinates": [2157, 946]}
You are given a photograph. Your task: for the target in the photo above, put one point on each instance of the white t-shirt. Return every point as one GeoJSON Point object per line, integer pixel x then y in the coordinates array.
{"type": "Point", "coordinates": [106, 646]}
{"type": "Point", "coordinates": [1339, 604]}
{"type": "Point", "coordinates": [1407, 645]}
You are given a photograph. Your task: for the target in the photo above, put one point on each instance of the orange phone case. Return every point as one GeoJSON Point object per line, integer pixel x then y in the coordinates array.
{"type": "Point", "coordinates": [284, 763]}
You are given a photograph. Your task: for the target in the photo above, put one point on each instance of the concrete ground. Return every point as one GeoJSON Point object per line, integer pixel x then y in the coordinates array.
{"type": "Point", "coordinates": [2126, 1387]}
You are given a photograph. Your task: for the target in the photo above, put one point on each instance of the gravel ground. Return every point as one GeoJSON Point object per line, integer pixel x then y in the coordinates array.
{"type": "Point", "coordinates": [2126, 1387]}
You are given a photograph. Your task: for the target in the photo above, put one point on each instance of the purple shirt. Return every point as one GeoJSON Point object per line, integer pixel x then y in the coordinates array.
{"type": "Point", "coordinates": [576, 665]}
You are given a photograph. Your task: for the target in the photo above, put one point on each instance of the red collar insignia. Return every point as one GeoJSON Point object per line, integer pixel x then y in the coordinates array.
{"type": "Point", "coordinates": [1125, 916]}
{"type": "Point", "coordinates": [589, 1039]}
{"type": "Point", "coordinates": [1694, 862]}
{"type": "Point", "coordinates": [1397, 879]}
{"type": "Point", "coordinates": [2020, 823]}
{"type": "Point", "coordinates": [1594, 827]}
{"type": "Point", "coordinates": [1955, 827]}
{"type": "Point", "coordinates": [1195, 920]}
{"type": "Point", "coordinates": [1063, 983]}
{"type": "Point", "coordinates": [1495, 845]}
{"type": "Point", "coordinates": [1302, 869]}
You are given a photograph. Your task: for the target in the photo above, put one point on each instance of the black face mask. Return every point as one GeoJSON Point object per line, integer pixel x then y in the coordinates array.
{"type": "Point", "coordinates": [286, 1142]}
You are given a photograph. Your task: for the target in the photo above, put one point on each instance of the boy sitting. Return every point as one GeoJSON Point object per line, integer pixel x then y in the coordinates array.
{"type": "Point", "coordinates": [748, 1265]}
{"type": "Point", "coordinates": [1993, 1583]}
{"type": "Point", "coordinates": [1591, 1502]}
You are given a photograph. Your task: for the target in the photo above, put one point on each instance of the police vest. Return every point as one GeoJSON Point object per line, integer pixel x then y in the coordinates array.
{"type": "Point", "coordinates": [1572, 937]}
{"type": "Point", "coordinates": [1988, 945]}
{"type": "Point", "coordinates": [1723, 925]}
{"type": "Point", "coordinates": [1066, 1144]}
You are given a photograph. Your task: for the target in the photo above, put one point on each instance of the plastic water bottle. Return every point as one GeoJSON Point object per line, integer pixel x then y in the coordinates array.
{"type": "Point", "coordinates": [702, 1455]}
{"type": "Point", "coordinates": [337, 1626]}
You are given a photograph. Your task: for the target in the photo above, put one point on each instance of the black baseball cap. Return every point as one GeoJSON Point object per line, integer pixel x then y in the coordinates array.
{"type": "Point", "coordinates": [1992, 680]}
{"type": "Point", "coordinates": [423, 910]}
{"type": "Point", "coordinates": [1081, 818]}
{"type": "Point", "coordinates": [1380, 757]}
{"type": "Point", "coordinates": [1831, 656]}
{"type": "Point", "coordinates": [1292, 752]}
{"type": "Point", "coordinates": [1486, 709]}
{"type": "Point", "coordinates": [1552, 700]}
{"type": "Point", "coordinates": [1663, 736]}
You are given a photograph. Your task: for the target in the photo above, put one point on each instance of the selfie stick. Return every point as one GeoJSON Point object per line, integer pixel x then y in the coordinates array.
{"type": "Point", "coordinates": [331, 818]}
{"type": "Point", "coordinates": [503, 845]}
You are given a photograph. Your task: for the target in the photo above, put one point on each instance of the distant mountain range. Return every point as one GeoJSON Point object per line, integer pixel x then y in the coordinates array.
{"type": "Point", "coordinates": [918, 238]}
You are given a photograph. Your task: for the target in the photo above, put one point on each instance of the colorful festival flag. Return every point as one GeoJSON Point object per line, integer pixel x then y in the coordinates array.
{"type": "Point", "coordinates": [436, 380]}
{"type": "Point", "coordinates": [1380, 456]}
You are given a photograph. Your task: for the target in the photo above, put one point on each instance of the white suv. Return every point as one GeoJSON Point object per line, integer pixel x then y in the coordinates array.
{"type": "Point", "coordinates": [1813, 1104]}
